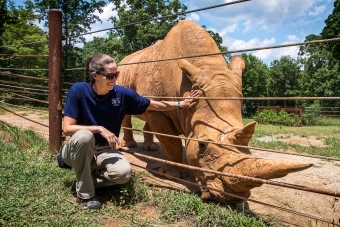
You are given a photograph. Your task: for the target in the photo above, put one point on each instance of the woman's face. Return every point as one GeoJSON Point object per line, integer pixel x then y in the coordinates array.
{"type": "Point", "coordinates": [106, 79]}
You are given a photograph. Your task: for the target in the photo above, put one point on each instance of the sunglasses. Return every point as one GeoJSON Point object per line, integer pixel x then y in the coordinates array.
{"type": "Point", "coordinates": [110, 76]}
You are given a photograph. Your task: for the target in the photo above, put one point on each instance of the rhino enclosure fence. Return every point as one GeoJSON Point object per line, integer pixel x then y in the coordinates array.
{"type": "Point", "coordinates": [55, 92]}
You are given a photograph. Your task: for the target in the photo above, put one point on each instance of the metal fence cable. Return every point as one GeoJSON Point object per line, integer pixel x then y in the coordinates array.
{"type": "Point", "coordinates": [23, 69]}
{"type": "Point", "coordinates": [23, 84]}
{"type": "Point", "coordinates": [248, 98]}
{"type": "Point", "coordinates": [243, 98]}
{"type": "Point", "coordinates": [21, 76]}
{"type": "Point", "coordinates": [236, 196]}
{"type": "Point", "coordinates": [238, 146]}
{"type": "Point", "coordinates": [25, 92]}
{"type": "Point", "coordinates": [31, 99]}
{"type": "Point", "coordinates": [159, 18]}
{"type": "Point", "coordinates": [23, 44]}
{"type": "Point", "coordinates": [259, 180]}
{"type": "Point", "coordinates": [25, 88]}
{"type": "Point", "coordinates": [23, 56]}
{"type": "Point", "coordinates": [23, 107]}
{"type": "Point", "coordinates": [23, 117]}
{"type": "Point", "coordinates": [225, 52]}
{"type": "Point", "coordinates": [14, 98]}
{"type": "Point", "coordinates": [236, 51]}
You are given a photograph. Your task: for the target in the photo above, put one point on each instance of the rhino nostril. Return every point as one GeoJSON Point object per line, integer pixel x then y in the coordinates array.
{"type": "Point", "coordinates": [202, 147]}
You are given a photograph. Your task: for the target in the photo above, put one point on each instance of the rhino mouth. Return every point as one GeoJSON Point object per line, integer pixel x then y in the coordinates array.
{"type": "Point", "coordinates": [220, 195]}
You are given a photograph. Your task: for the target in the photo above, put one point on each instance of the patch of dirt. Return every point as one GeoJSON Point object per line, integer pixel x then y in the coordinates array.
{"type": "Point", "coordinates": [302, 141]}
{"type": "Point", "coordinates": [323, 175]}
{"type": "Point", "coordinates": [26, 124]}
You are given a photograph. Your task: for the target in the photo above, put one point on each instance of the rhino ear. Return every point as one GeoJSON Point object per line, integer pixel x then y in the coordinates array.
{"type": "Point", "coordinates": [242, 136]}
{"type": "Point", "coordinates": [190, 69]}
{"type": "Point", "coordinates": [237, 64]}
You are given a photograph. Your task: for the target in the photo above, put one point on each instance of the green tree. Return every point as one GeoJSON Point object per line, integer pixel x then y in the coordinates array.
{"type": "Point", "coordinates": [332, 30]}
{"type": "Point", "coordinates": [77, 18]}
{"type": "Point", "coordinates": [314, 56]}
{"type": "Point", "coordinates": [24, 31]}
{"type": "Point", "coordinates": [138, 36]}
{"type": "Point", "coordinates": [319, 77]}
{"type": "Point", "coordinates": [255, 82]}
{"type": "Point", "coordinates": [284, 80]}
{"type": "Point", "coordinates": [3, 16]}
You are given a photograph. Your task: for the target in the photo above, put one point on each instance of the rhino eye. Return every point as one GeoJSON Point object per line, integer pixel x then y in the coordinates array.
{"type": "Point", "coordinates": [202, 147]}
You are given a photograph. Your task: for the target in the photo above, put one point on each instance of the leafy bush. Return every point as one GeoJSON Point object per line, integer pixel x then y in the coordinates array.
{"type": "Point", "coordinates": [312, 116]}
{"type": "Point", "coordinates": [282, 118]}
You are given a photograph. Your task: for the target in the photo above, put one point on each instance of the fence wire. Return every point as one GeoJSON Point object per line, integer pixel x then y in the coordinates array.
{"type": "Point", "coordinates": [23, 44]}
{"type": "Point", "coordinates": [159, 18]}
{"type": "Point", "coordinates": [224, 52]}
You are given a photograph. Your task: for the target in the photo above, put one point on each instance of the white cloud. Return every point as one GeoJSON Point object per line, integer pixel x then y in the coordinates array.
{"type": "Point", "coordinates": [234, 44]}
{"type": "Point", "coordinates": [194, 17]}
{"type": "Point", "coordinates": [227, 30]}
{"type": "Point", "coordinates": [292, 38]}
{"type": "Point", "coordinates": [317, 10]}
{"type": "Point", "coordinates": [283, 21]}
{"type": "Point", "coordinates": [267, 55]}
{"type": "Point", "coordinates": [253, 15]}
{"type": "Point", "coordinates": [105, 24]}
{"type": "Point", "coordinates": [246, 25]}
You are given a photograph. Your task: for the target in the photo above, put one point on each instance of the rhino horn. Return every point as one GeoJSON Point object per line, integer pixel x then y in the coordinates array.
{"type": "Point", "coordinates": [241, 136]}
{"type": "Point", "coordinates": [279, 168]}
{"type": "Point", "coordinates": [260, 168]}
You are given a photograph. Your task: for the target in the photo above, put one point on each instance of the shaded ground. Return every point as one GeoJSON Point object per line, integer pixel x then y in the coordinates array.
{"type": "Point", "coordinates": [323, 175]}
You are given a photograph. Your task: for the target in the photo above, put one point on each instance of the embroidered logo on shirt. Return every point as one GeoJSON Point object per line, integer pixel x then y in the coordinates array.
{"type": "Point", "coordinates": [115, 101]}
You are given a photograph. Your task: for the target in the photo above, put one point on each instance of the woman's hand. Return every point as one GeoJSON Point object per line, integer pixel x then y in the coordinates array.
{"type": "Point", "coordinates": [190, 102]}
{"type": "Point", "coordinates": [111, 138]}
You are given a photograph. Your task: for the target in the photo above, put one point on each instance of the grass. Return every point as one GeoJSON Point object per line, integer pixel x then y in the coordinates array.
{"type": "Point", "coordinates": [329, 132]}
{"type": "Point", "coordinates": [35, 192]}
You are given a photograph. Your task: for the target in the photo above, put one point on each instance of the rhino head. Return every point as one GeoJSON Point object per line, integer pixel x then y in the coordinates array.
{"type": "Point", "coordinates": [220, 121]}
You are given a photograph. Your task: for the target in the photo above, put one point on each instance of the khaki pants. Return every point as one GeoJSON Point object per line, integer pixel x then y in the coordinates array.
{"type": "Point", "coordinates": [107, 168]}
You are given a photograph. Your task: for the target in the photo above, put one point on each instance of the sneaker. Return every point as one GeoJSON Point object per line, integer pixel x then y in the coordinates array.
{"type": "Point", "coordinates": [91, 203]}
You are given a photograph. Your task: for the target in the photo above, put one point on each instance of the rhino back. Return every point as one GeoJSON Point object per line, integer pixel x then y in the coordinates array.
{"type": "Point", "coordinates": [165, 78]}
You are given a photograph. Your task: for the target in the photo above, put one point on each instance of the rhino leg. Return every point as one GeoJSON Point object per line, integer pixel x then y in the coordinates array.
{"type": "Point", "coordinates": [128, 140]}
{"type": "Point", "coordinates": [172, 147]}
{"type": "Point", "coordinates": [149, 144]}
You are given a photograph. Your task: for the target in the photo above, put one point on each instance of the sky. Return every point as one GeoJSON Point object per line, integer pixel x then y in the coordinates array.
{"type": "Point", "coordinates": [261, 23]}
{"type": "Point", "coordinates": [252, 24]}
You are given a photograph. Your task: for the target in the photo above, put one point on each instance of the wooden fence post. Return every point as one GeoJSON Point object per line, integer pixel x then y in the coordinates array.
{"type": "Point", "coordinates": [54, 79]}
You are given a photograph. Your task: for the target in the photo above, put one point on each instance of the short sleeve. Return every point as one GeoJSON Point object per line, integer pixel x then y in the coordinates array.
{"type": "Point", "coordinates": [137, 104]}
{"type": "Point", "coordinates": [71, 105]}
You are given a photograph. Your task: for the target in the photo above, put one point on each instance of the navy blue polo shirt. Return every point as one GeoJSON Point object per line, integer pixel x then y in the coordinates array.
{"type": "Point", "coordinates": [82, 105]}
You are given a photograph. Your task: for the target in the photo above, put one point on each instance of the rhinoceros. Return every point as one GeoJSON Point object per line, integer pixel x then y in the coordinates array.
{"type": "Point", "coordinates": [215, 120]}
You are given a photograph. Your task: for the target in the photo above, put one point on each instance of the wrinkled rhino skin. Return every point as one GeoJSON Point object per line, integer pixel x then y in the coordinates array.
{"type": "Point", "coordinates": [210, 120]}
